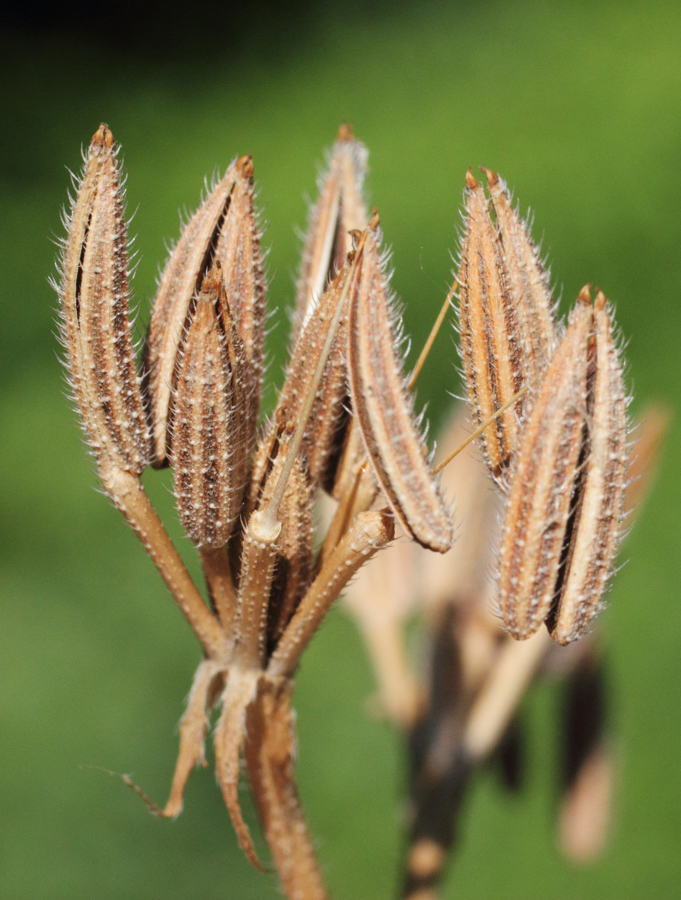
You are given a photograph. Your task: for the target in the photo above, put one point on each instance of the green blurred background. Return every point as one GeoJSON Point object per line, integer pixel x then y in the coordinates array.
{"type": "Point", "coordinates": [578, 105]}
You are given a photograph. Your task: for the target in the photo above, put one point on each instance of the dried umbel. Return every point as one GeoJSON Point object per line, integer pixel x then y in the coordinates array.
{"type": "Point", "coordinates": [246, 500]}
{"type": "Point", "coordinates": [344, 425]}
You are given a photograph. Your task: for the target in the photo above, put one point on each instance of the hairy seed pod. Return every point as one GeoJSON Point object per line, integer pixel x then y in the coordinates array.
{"type": "Point", "coordinates": [528, 283]}
{"type": "Point", "coordinates": [238, 251]}
{"type": "Point", "coordinates": [209, 450]}
{"type": "Point", "coordinates": [543, 481]}
{"type": "Point", "coordinates": [564, 511]}
{"type": "Point", "coordinates": [384, 408]}
{"type": "Point", "coordinates": [94, 303]}
{"type": "Point", "coordinates": [599, 506]}
{"type": "Point", "coordinates": [490, 346]}
{"type": "Point", "coordinates": [505, 317]}
{"type": "Point", "coordinates": [339, 210]}
{"type": "Point", "coordinates": [224, 230]}
{"type": "Point", "coordinates": [324, 432]}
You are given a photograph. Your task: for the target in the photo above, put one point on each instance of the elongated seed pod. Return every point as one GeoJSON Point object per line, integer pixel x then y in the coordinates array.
{"type": "Point", "coordinates": [384, 408]}
{"type": "Point", "coordinates": [490, 345]}
{"type": "Point", "coordinates": [339, 210]}
{"type": "Point", "coordinates": [209, 449]}
{"type": "Point", "coordinates": [323, 437]}
{"type": "Point", "coordinates": [528, 283]}
{"type": "Point", "coordinates": [598, 517]}
{"type": "Point", "coordinates": [238, 251]}
{"type": "Point", "coordinates": [543, 482]}
{"type": "Point", "coordinates": [94, 304]}
{"type": "Point", "coordinates": [224, 230]}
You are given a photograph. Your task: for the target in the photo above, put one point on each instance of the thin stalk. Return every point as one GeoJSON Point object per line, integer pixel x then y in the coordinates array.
{"type": "Point", "coordinates": [478, 431]}
{"type": "Point", "coordinates": [431, 337]}
{"type": "Point", "coordinates": [130, 498]}
{"type": "Point", "coordinates": [216, 570]}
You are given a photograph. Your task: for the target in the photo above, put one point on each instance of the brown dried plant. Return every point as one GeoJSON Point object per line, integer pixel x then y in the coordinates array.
{"type": "Point", "coordinates": [548, 406]}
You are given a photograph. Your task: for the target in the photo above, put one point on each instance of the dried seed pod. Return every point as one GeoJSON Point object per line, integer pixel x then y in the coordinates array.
{"type": "Point", "coordinates": [490, 346]}
{"type": "Point", "coordinates": [528, 283]}
{"type": "Point", "coordinates": [564, 511]}
{"type": "Point", "coordinates": [209, 448]}
{"type": "Point", "coordinates": [94, 304]}
{"type": "Point", "coordinates": [543, 481]}
{"type": "Point", "coordinates": [224, 230]}
{"type": "Point", "coordinates": [339, 210]}
{"type": "Point", "coordinates": [238, 251]}
{"type": "Point", "coordinates": [506, 320]}
{"type": "Point", "coordinates": [600, 502]}
{"type": "Point", "coordinates": [323, 436]}
{"type": "Point", "coordinates": [384, 407]}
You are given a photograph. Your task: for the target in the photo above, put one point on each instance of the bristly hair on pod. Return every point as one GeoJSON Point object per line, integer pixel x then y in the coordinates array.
{"type": "Point", "coordinates": [95, 322]}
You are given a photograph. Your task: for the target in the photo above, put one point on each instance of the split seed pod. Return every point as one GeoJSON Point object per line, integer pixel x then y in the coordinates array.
{"type": "Point", "coordinates": [223, 229]}
{"type": "Point", "coordinates": [339, 210]}
{"type": "Point", "coordinates": [505, 319]}
{"type": "Point", "coordinates": [564, 508]}
{"type": "Point", "coordinates": [96, 327]}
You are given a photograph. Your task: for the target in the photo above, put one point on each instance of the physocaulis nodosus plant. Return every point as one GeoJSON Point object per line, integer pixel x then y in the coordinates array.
{"type": "Point", "coordinates": [548, 403]}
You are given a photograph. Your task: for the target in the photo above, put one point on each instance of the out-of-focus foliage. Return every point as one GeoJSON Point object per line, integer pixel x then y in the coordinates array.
{"type": "Point", "coordinates": [577, 105]}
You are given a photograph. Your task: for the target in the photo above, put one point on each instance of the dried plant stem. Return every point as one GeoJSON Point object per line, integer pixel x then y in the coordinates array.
{"type": "Point", "coordinates": [368, 533]}
{"type": "Point", "coordinates": [216, 570]}
{"type": "Point", "coordinates": [269, 758]}
{"type": "Point", "coordinates": [479, 430]}
{"type": "Point", "coordinates": [427, 347]}
{"type": "Point", "coordinates": [259, 557]}
{"type": "Point", "coordinates": [501, 693]}
{"type": "Point", "coordinates": [128, 495]}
